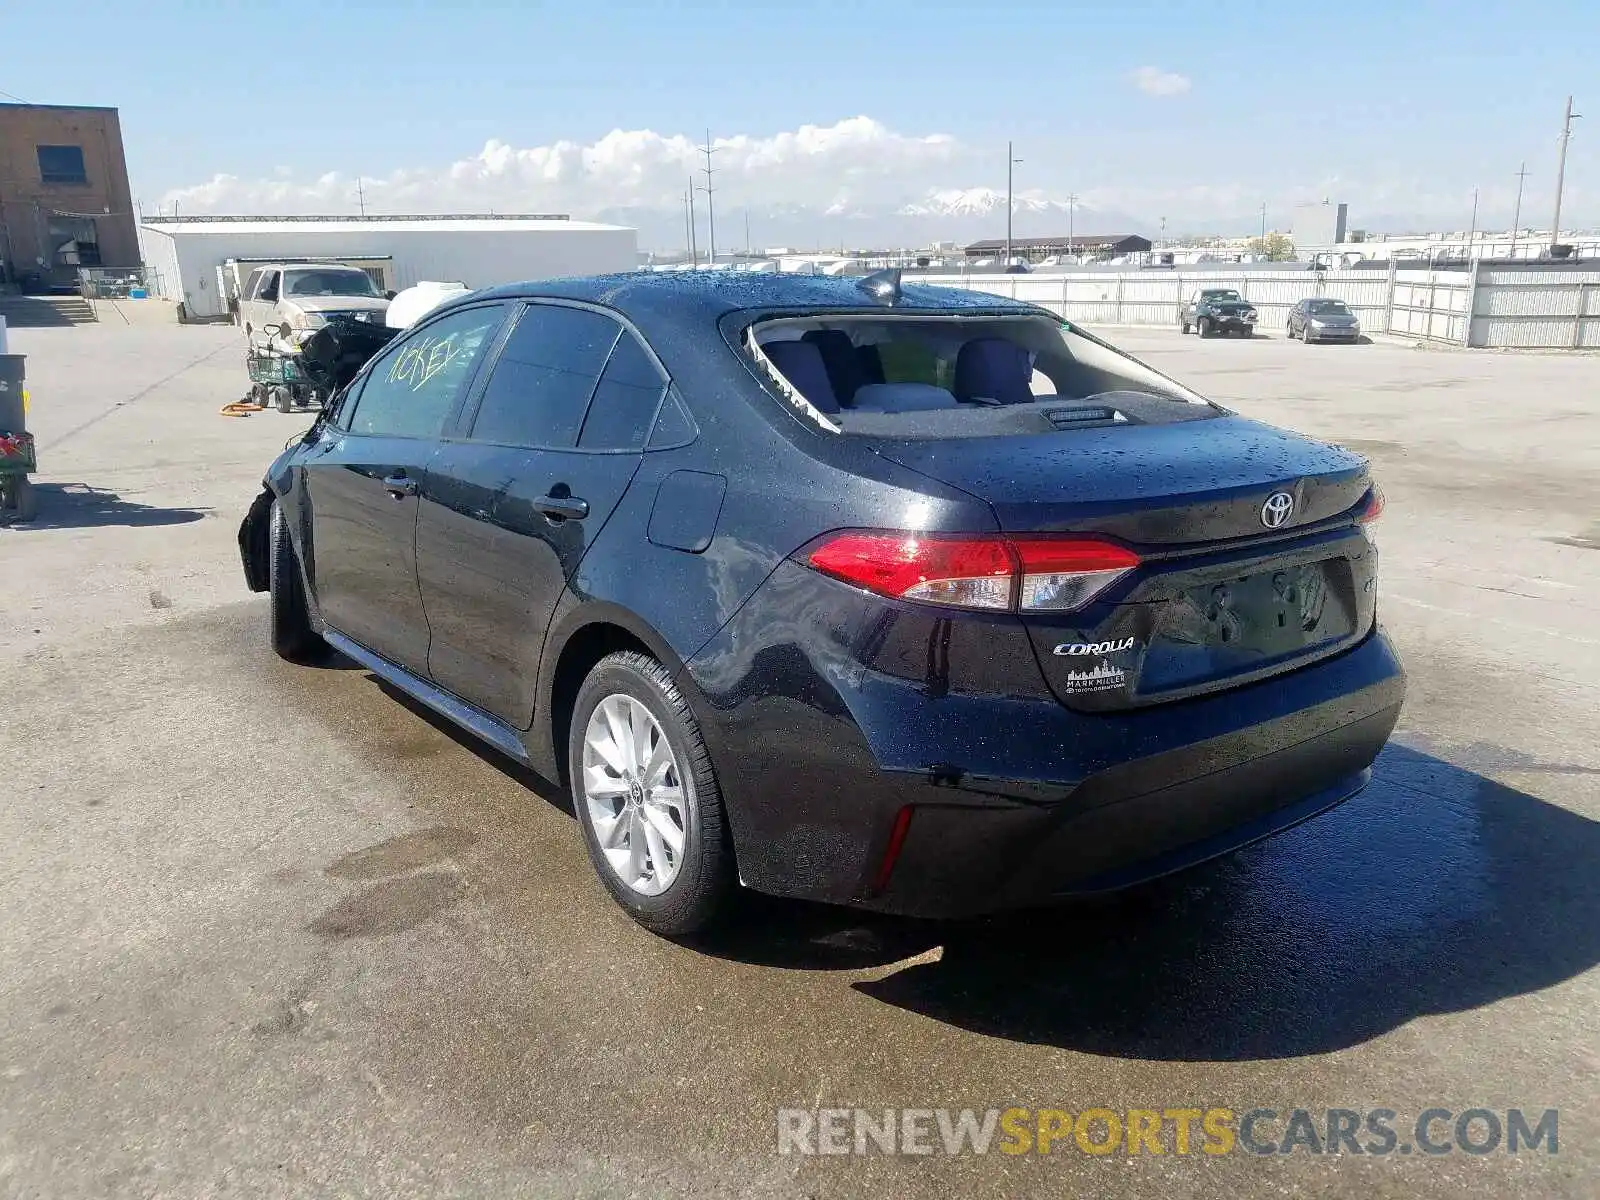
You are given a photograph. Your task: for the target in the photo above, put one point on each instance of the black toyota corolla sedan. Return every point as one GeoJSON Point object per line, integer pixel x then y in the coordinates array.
{"type": "Point", "coordinates": [895, 596]}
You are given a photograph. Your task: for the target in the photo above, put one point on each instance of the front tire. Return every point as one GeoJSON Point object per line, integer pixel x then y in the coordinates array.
{"type": "Point", "coordinates": [1204, 327]}
{"type": "Point", "coordinates": [1305, 334]}
{"type": "Point", "coordinates": [646, 794]}
{"type": "Point", "coordinates": [293, 638]}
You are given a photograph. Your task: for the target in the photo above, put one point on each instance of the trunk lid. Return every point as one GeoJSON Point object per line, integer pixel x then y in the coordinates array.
{"type": "Point", "coordinates": [1221, 597]}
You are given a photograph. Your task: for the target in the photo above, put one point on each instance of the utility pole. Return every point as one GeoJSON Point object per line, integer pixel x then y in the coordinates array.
{"type": "Point", "coordinates": [1263, 227]}
{"type": "Point", "coordinates": [688, 221]}
{"type": "Point", "coordinates": [1010, 161]}
{"type": "Point", "coordinates": [1072, 233]}
{"type": "Point", "coordinates": [1561, 174]}
{"type": "Point", "coordinates": [694, 250]}
{"type": "Point", "coordinates": [1472, 230]}
{"type": "Point", "coordinates": [361, 195]}
{"type": "Point", "coordinates": [1516, 215]}
{"type": "Point", "coordinates": [711, 211]}
{"type": "Point", "coordinates": [747, 231]}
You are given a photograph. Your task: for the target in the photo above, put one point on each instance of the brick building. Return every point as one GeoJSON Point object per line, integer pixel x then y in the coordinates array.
{"type": "Point", "coordinates": [64, 199]}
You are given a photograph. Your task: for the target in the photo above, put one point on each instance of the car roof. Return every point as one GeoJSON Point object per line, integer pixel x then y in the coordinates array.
{"type": "Point", "coordinates": [652, 297]}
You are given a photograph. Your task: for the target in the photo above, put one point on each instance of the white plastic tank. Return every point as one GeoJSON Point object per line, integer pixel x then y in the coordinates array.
{"type": "Point", "coordinates": [410, 306]}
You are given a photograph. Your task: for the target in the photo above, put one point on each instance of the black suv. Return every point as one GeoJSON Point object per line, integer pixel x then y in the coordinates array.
{"type": "Point", "coordinates": [1217, 310]}
{"type": "Point", "coordinates": [910, 598]}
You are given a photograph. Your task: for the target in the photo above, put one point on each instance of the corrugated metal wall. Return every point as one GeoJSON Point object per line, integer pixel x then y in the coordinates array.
{"type": "Point", "coordinates": [1527, 307]}
{"type": "Point", "coordinates": [1146, 297]}
{"type": "Point", "coordinates": [1532, 306]}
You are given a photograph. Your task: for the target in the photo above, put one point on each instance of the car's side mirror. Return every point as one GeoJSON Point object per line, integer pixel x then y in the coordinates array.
{"type": "Point", "coordinates": [389, 295]}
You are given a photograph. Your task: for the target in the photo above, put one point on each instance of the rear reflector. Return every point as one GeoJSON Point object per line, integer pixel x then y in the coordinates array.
{"type": "Point", "coordinates": [891, 852]}
{"type": "Point", "coordinates": [984, 571]}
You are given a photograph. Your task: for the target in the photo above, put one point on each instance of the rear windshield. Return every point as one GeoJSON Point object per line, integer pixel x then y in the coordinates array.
{"type": "Point", "coordinates": [920, 376]}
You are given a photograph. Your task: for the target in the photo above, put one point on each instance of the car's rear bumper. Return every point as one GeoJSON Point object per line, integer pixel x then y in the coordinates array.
{"type": "Point", "coordinates": [820, 743]}
{"type": "Point", "coordinates": [1133, 823]}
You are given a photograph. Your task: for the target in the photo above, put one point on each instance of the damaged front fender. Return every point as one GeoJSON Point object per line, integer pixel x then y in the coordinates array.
{"type": "Point", "coordinates": [255, 544]}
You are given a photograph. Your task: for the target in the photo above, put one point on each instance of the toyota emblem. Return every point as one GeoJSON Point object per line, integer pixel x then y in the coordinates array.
{"type": "Point", "coordinates": [1275, 513]}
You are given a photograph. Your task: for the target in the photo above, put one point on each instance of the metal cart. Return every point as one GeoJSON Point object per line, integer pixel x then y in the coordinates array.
{"type": "Point", "coordinates": [280, 380]}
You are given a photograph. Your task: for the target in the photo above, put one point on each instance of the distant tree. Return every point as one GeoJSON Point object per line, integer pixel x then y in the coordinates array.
{"type": "Point", "coordinates": [1276, 247]}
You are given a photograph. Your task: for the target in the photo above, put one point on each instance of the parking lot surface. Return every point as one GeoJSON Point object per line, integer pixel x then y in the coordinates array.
{"type": "Point", "coordinates": [268, 930]}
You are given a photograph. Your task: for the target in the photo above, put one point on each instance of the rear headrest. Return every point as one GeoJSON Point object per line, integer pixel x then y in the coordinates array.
{"type": "Point", "coordinates": [993, 369]}
{"type": "Point", "coordinates": [902, 397]}
{"type": "Point", "coordinates": [839, 356]}
{"type": "Point", "coordinates": [801, 364]}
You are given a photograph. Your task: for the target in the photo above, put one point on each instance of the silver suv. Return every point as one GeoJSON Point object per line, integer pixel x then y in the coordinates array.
{"type": "Point", "coordinates": [285, 303]}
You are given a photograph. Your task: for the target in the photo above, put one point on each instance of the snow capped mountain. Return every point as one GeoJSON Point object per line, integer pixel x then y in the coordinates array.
{"type": "Point", "coordinates": [941, 214]}
{"type": "Point", "coordinates": [980, 201]}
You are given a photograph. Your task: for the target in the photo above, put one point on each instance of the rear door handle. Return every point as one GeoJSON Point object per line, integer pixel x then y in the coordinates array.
{"type": "Point", "coordinates": [398, 486]}
{"type": "Point", "coordinates": [562, 508]}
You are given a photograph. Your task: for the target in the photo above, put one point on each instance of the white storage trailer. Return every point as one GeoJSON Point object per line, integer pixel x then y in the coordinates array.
{"type": "Point", "coordinates": [182, 254]}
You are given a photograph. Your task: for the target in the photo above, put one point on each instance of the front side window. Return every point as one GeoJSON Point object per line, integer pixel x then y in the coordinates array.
{"type": "Point", "coordinates": [269, 287]}
{"type": "Point", "coordinates": [539, 387]}
{"type": "Point", "coordinates": [411, 390]}
{"type": "Point", "coordinates": [62, 164]}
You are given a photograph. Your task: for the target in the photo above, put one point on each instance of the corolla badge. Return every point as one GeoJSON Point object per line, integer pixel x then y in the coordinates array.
{"type": "Point", "coordinates": [1069, 649]}
{"type": "Point", "coordinates": [1277, 510]}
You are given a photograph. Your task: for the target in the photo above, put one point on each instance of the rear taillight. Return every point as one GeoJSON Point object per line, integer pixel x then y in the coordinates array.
{"type": "Point", "coordinates": [984, 571]}
{"type": "Point", "coordinates": [1061, 575]}
{"type": "Point", "coordinates": [1371, 506]}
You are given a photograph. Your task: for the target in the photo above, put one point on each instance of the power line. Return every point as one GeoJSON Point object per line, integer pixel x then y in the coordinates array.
{"type": "Point", "coordinates": [10, 96]}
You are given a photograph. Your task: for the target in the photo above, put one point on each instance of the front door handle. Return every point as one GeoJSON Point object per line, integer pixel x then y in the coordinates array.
{"type": "Point", "coordinates": [558, 507]}
{"type": "Point", "coordinates": [398, 486]}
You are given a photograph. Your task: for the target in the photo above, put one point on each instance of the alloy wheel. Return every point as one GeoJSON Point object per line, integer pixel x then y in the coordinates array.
{"type": "Point", "coordinates": [634, 794]}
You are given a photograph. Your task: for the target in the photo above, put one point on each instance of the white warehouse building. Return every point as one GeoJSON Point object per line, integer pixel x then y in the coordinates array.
{"type": "Point", "coordinates": [198, 260]}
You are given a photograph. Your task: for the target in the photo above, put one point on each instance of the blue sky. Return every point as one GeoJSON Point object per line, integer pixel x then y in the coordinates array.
{"type": "Point", "coordinates": [1399, 108]}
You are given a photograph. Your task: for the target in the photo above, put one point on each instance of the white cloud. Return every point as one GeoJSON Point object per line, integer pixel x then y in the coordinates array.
{"type": "Point", "coordinates": [1153, 81]}
{"type": "Point", "coordinates": [813, 164]}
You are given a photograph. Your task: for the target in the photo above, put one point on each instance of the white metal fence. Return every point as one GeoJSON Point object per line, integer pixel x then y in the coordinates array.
{"type": "Point", "coordinates": [1490, 305]}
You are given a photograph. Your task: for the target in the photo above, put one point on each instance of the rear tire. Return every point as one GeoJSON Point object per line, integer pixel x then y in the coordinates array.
{"type": "Point", "coordinates": [677, 800]}
{"type": "Point", "coordinates": [293, 638]}
{"type": "Point", "coordinates": [1185, 326]}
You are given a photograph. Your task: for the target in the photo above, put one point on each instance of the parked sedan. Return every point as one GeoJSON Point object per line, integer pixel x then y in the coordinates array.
{"type": "Point", "coordinates": [1321, 319]}
{"type": "Point", "coordinates": [908, 598]}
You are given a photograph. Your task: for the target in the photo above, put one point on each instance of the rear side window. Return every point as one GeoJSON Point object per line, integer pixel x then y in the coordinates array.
{"type": "Point", "coordinates": [411, 390]}
{"type": "Point", "coordinates": [625, 402]}
{"type": "Point", "coordinates": [539, 388]}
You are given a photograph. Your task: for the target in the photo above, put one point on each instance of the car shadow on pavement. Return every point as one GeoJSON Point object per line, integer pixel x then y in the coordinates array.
{"type": "Point", "coordinates": [81, 506]}
{"type": "Point", "coordinates": [1437, 890]}
{"type": "Point", "coordinates": [551, 793]}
